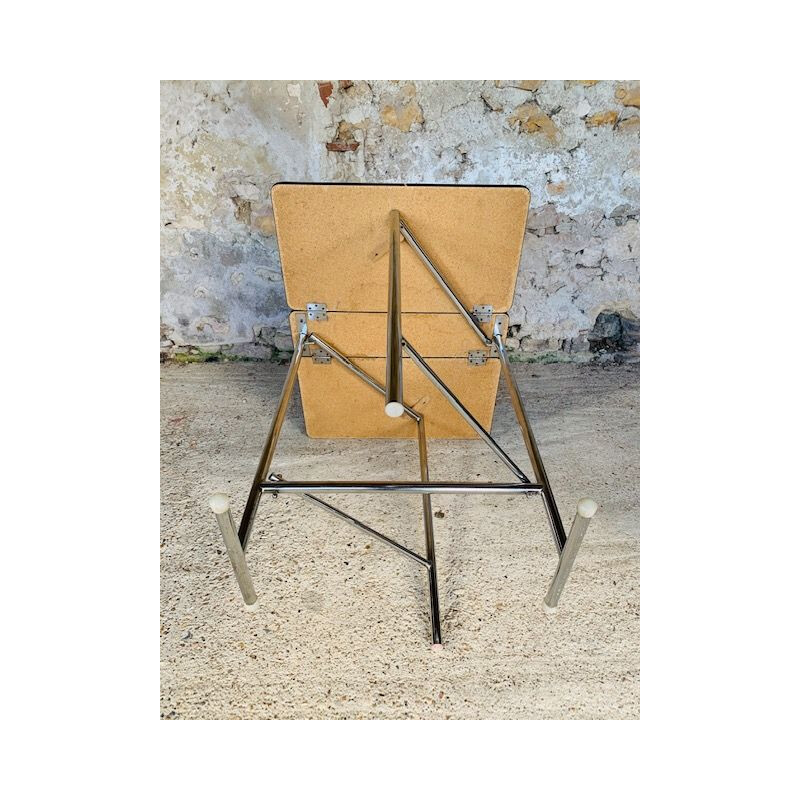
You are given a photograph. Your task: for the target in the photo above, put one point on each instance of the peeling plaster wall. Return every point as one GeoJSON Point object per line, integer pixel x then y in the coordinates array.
{"type": "Point", "coordinates": [574, 144]}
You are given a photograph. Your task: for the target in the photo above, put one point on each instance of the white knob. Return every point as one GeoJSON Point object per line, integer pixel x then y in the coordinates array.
{"type": "Point", "coordinates": [394, 409]}
{"type": "Point", "coordinates": [219, 503]}
{"type": "Point", "coordinates": [587, 508]}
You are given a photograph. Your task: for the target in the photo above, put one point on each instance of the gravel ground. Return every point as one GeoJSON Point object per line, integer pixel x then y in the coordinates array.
{"type": "Point", "coordinates": [341, 628]}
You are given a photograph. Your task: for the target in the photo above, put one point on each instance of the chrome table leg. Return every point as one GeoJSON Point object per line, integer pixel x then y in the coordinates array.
{"type": "Point", "coordinates": [586, 510]}
{"type": "Point", "coordinates": [539, 471]}
{"type": "Point", "coordinates": [272, 441]}
{"type": "Point", "coordinates": [221, 508]}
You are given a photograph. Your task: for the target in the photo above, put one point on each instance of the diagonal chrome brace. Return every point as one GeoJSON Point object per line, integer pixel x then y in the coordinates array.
{"type": "Point", "coordinates": [430, 548]}
{"type": "Point", "coordinates": [472, 321]}
{"type": "Point", "coordinates": [337, 512]}
{"type": "Point", "coordinates": [346, 362]}
{"type": "Point", "coordinates": [459, 406]}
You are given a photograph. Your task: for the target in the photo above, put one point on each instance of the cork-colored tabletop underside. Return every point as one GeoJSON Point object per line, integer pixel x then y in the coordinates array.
{"type": "Point", "coordinates": [334, 243]}
{"type": "Point", "coordinates": [334, 247]}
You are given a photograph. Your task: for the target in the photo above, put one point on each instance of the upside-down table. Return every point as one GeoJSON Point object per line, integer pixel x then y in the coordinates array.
{"type": "Point", "coordinates": [382, 351]}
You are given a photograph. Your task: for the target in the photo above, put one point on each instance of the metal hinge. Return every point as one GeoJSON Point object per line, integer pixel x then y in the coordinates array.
{"type": "Point", "coordinates": [317, 312]}
{"type": "Point", "coordinates": [319, 356]}
{"type": "Point", "coordinates": [482, 313]}
{"type": "Point", "coordinates": [478, 357]}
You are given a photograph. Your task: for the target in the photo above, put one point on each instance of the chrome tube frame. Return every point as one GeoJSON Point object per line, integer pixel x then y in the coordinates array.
{"type": "Point", "coordinates": [392, 393]}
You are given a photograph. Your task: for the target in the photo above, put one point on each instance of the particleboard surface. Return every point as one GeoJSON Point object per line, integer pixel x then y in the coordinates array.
{"type": "Point", "coordinates": [338, 405]}
{"type": "Point", "coordinates": [334, 244]}
{"type": "Point", "coordinates": [431, 335]}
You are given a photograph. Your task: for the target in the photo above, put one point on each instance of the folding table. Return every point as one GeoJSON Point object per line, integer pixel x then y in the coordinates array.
{"type": "Point", "coordinates": [399, 296]}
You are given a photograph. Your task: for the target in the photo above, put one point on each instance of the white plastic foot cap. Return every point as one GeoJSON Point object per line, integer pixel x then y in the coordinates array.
{"type": "Point", "coordinates": [437, 647]}
{"type": "Point", "coordinates": [549, 609]}
{"type": "Point", "coordinates": [587, 508]}
{"type": "Point", "coordinates": [251, 606]}
{"type": "Point", "coordinates": [394, 409]}
{"type": "Point", "coordinates": [219, 503]}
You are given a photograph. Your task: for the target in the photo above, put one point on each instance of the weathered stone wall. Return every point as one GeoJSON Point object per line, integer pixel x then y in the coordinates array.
{"type": "Point", "coordinates": [574, 144]}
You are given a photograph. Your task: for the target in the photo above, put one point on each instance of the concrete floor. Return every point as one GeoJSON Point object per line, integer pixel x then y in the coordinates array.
{"type": "Point", "coordinates": [341, 629]}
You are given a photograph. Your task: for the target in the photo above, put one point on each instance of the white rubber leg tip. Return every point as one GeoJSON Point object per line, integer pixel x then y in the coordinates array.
{"type": "Point", "coordinates": [394, 409]}
{"type": "Point", "coordinates": [219, 503]}
{"type": "Point", "coordinates": [549, 609]}
{"type": "Point", "coordinates": [251, 606]}
{"type": "Point", "coordinates": [587, 508]}
{"type": "Point", "coordinates": [437, 647]}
